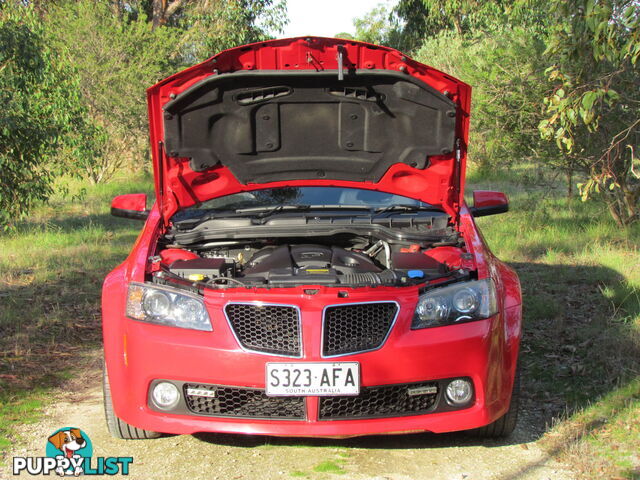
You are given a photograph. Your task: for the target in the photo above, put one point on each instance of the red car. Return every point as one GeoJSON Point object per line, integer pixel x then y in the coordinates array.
{"type": "Point", "coordinates": [309, 266]}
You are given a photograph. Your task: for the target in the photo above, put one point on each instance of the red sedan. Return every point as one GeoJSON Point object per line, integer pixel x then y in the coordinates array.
{"type": "Point", "coordinates": [309, 266]}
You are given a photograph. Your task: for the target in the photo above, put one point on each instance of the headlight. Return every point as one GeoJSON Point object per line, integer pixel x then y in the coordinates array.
{"type": "Point", "coordinates": [456, 303]}
{"type": "Point", "coordinates": [167, 306]}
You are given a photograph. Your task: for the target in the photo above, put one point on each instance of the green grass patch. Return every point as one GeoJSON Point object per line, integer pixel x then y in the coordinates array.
{"type": "Point", "coordinates": [299, 474]}
{"type": "Point", "coordinates": [330, 466]}
{"type": "Point", "coordinates": [18, 410]}
{"type": "Point", "coordinates": [607, 430]}
{"type": "Point", "coordinates": [53, 266]}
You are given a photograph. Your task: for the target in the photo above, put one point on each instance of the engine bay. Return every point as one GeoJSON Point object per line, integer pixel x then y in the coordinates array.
{"type": "Point", "coordinates": [344, 260]}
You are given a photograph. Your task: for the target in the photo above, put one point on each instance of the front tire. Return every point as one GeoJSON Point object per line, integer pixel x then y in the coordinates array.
{"type": "Point", "coordinates": [118, 428]}
{"type": "Point", "coordinates": [506, 424]}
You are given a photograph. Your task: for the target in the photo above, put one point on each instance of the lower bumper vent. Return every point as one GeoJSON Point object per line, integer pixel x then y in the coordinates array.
{"type": "Point", "coordinates": [384, 401]}
{"type": "Point", "coordinates": [241, 402]}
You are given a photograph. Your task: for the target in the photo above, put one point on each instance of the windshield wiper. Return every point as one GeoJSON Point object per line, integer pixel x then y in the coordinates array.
{"type": "Point", "coordinates": [406, 208]}
{"type": "Point", "coordinates": [262, 212]}
{"type": "Point", "coordinates": [268, 211]}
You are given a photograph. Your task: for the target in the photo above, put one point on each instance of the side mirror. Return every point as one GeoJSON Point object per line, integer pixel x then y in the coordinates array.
{"type": "Point", "coordinates": [486, 202]}
{"type": "Point", "coordinates": [132, 205]}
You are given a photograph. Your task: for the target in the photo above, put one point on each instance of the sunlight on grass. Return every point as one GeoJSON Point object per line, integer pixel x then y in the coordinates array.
{"type": "Point", "coordinates": [580, 275]}
{"type": "Point", "coordinates": [330, 466]}
{"type": "Point", "coordinates": [53, 267]}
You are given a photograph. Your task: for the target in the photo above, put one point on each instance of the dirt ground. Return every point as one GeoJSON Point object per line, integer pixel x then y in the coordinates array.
{"type": "Point", "coordinates": [230, 457]}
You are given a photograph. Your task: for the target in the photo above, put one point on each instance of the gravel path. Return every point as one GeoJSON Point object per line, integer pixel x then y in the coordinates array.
{"type": "Point", "coordinates": [230, 457]}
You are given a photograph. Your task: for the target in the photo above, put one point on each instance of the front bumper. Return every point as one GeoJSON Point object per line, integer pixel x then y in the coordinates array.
{"type": "Point", "coordinates": [138, 353]}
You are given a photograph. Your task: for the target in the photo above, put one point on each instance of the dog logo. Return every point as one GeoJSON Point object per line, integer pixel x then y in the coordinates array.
{"type": "Point", "coordinates": [69, 452]}
{"type": "Point", "coordinates": [72, 444]}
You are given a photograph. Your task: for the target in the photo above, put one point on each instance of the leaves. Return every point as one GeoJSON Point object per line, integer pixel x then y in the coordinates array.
{"type": "Point", "coordinates": [506, 71]}
{"type": "Point", "coordinates": [39, 110]}
{"type": "Point", "coordinates": [594, 113]}
{"type": "Point", "coordinates": [588, 100]}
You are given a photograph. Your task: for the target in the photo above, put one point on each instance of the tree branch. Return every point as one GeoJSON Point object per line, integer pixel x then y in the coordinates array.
{"type": "Point", "coordinates": [172, 8]}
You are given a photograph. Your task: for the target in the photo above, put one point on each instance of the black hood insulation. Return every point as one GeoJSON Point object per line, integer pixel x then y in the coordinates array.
{"type": "Point", "coordinates": [296, 125]}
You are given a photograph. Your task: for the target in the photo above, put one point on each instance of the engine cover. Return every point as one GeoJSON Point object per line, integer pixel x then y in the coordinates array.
{"type": "Point", "coordinates": [307, 264]}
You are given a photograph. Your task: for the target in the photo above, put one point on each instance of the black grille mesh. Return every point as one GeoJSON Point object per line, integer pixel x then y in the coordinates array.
{"type": "Point", "coordinates": [244, 402]}
{"type": "Point", "coordinates": [266, 328]}
{"type": "Point", "coordinates": [384, 401]}
{"type": "Point", "coordinates": [356, 328]}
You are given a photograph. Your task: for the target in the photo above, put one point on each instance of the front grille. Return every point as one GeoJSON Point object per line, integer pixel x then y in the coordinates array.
{"type": "Point", "coordinates": [243, 402]}
{"type": "Point", "coordinates": [356, 327]}
{"type": "Point", "coordinates": [384, 401]}
{"type": "Point", "coordinates": [271, 329]}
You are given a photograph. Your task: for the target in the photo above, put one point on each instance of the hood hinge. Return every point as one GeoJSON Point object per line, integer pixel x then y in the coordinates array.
{"type": "Point", "coordinates": [458, 173]}
{"type": "Point", "coordinates": [160, 154]}
{"type": "Point", "coordinates": [340, 63]}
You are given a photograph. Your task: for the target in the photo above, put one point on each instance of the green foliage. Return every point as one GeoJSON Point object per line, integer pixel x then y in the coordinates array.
{"type": "Point", "coordinates": [401, 26]}
{"type": "Point", "coordinates": [210, 27]}
{"type": "Point", "coordinates": [593, 114]}
{"type": "Point", "coordinates": [380, 26]}
{"type": "Point", "coordinates": [506, 71]}
{"type": "Point", "coordinates": [344, 35]}
{"type": "Point", "coordinates": [120, 50]}
{"type": "Point", "coordinates": [463, 16]}
{"type": "Point", "coordinates": [41, 112]}
{"type": "Point", "coordinates": [421, 19]}
{"type": "Point", "coordinates": [117, 58]}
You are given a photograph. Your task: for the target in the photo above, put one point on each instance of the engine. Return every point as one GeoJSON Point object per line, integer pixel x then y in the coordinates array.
{"type": "Point", "coordinates": [288, 265]}
{"type": "Point", "coordinates": [317, 264]}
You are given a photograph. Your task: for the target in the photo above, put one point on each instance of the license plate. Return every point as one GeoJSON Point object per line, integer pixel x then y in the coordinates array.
{"type": "Point", "coordinates": [302, 379]}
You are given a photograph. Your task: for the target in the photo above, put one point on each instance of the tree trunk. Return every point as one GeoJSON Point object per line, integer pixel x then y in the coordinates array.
{"type": "Point", "coordinates": [158, 8]}
{"type": "Point", "coordinates": [162, 10]}
{"type": "Point", "coordinates": [458, 24]}
{"type": "Point", "coordinates": [614, 213]}
{"type": "Point", "coordinates": [623, 205]}
{"type": "Point", "coordinates": [116, 6]}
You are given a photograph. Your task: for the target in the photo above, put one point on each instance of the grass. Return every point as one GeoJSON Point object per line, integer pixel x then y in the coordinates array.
{"type": "Point", "coordinates": [52, 268]}
{"type": "Point", "coordinates": [299, 474]}
{"type": "Point", "coordinates": [580, 275]}
{"type": "Point", "coordinates": [330, 466]}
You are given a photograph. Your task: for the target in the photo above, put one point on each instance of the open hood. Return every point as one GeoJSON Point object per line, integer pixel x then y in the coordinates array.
{"type": "Point", "coordinates": [309, 111]}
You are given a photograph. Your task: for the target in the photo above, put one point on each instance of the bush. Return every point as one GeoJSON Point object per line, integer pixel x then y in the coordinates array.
{"type": "Point", "coordinates": [117, 59]}
{"type": "Point", "coordinates": [40, 107]}
{"type": "Point", "coordinates": [506, 71]}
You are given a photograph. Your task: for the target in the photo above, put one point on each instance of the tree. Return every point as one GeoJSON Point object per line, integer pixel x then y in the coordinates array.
{"type": "Point", "coordinates": [163, 10]}
{"type": "Point", "coordinates": [421, 19]}
{"type": "Point", "coordinates": [40, 107]}
{"type": "Point", "coordinates": [210, 26]}
{"type": "Point", "coordinates": [593, 113]}
{"type": "Point", "coordinates": [379, 26]}
{"type": "Point", "coordinates": [507, 72]}
{"type": "Point", "coordinates": [345, 36]}
{"type": "Point", "coordinates": [400, 27]}
{"type": "Point", "coordinates": [117, 59]}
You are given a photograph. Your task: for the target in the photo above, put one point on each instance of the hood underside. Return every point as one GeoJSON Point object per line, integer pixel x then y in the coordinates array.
{"type": "Point", "coordinates": [284, 113]}
{"type": "Point", "coordinates": [268, 126]}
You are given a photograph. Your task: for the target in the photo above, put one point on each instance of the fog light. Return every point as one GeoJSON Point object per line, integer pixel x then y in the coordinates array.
{"type": "Point", "coordinates": [165, 395]}
{"type": "Point", "coordinates": [459, 391]}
